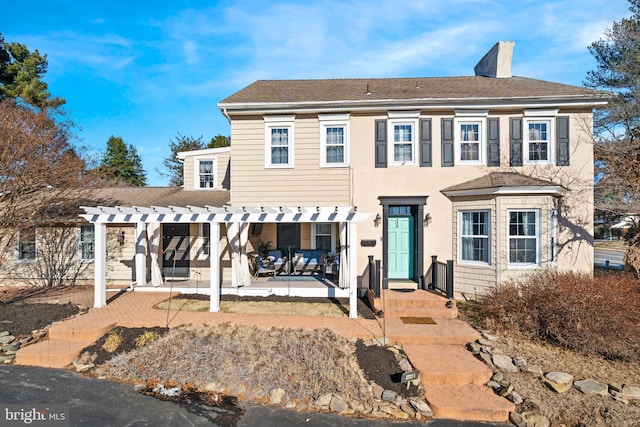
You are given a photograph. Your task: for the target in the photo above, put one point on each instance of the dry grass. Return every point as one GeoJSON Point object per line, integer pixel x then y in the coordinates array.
{"type": "Point", "coordinates": [112, 342]}
{"type": "Point", "coordinates": [247, 362]}
{"type": "Point", "coordinates": [586, 326]}
{"type": "Point", "coordinates": [260, 307]}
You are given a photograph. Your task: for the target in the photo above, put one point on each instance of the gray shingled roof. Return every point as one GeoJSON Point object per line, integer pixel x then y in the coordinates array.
{"type": "Point", "coordinates": [497, 180]}
{"type": "Point", "coordinates": [429, 88]}
{"type": "Point", "coordinates": [157, 196]}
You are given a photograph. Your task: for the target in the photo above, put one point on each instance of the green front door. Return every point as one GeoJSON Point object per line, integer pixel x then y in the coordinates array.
{"type": "Point", "coordinates": [400, 244]}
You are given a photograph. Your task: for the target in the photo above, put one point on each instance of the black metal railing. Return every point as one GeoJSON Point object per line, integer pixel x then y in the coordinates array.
{"type": "Point", "coordinates": [442, 276]}
{"type": "Point", "coordinates": [374, 276]}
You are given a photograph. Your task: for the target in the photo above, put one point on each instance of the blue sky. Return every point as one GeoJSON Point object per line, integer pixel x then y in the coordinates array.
{"type": "Point", "coordinates": [147, 70]}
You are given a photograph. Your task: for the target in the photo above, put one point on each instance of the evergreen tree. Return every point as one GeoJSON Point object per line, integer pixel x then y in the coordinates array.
{"type": "Point", "coordinates": [617, 126]}
{"type": "Point", "coordinates": [122, 164]}
{"type": "Point", "coordinates": [21, 73]}
{"type": "Point", "coordinates": [219, 141]}
{"type": "Point", "coordinates": [172, 165]}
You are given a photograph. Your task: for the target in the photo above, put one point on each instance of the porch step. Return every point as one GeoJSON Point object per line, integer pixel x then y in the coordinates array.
{"type": "Point", "coordinates": [78, 331]}
{"type": "Point", "coordinates": [416, 303]}
{"type": "Point", "coordinates": [64, 343]}
{"type": "Point", "coordinates": [51, 353]}
{"type": "Point", "coordinates": [447, 364]}
{"type": "Point", "coordinates": [434, 313]}
{"type": "Point", "coordinates": [443, 332]}
{"type": "Point", "coordinates": [468, 402]}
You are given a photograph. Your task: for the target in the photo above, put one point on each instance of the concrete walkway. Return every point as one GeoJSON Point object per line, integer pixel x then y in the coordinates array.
{"type": "Point", "coordinates": [449, 373]}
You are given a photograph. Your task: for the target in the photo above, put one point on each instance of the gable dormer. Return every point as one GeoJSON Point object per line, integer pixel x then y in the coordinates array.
{"type": "Point", "coordinates": [207, 169]}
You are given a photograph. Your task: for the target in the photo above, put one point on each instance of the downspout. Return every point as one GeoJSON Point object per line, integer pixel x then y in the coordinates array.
{"type": "Point", "coordinates": [499, 241]}
{"type": "Point", "coordinates": [224, 113]}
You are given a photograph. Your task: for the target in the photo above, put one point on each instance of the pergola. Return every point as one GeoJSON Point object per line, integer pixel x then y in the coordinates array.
{"type": "Point", "coordinates": [236, 219]}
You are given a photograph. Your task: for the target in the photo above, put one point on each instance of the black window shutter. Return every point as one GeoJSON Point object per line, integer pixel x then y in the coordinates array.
{"type": "Point", "coordinates": [515, 141]}
{"type": "Point", "coordinates": [562, 141]}
{"type": "Point", "coordinates": [425, 143]}
{"type": "Point", "coordinates": [381, 143]}
{"type": "Point", "coordinates": [447, 142]}
{"type": "Point", "coordinates": [493, 142]}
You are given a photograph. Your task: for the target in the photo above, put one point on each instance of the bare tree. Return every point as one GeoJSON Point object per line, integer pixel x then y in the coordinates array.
{"type": "Point", "coordinates": [38, 167]}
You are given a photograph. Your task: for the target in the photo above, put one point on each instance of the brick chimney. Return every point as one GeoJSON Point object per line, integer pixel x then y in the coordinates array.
{"type": "Point", "coordinates": [497, 62]}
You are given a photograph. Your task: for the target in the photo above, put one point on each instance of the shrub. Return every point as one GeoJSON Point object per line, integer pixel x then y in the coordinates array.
{"type": "Point", "coordinates": [146, 337]}
{"type": "Point", "coordinates": [112, 342]}
{"type": "Point", "coordinates": [598, 314]}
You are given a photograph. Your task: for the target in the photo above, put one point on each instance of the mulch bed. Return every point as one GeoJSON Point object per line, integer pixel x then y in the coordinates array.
{"type": "Point", "coordinates": [129, 336]}
{"type": "Point", "coordinates": [20, 318]}
{"type": "Point", "coordinates": [380, 366]}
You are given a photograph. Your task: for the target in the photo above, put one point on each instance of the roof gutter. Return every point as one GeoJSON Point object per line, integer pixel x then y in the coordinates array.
{"type": "Point", "coordinates": [554, 190]}
{"type": "Point", "coordinates": [423, 104]}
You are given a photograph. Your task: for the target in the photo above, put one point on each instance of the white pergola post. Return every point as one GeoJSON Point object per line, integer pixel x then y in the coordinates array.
{"type": "Point", "coordinates": [100, 263]}
{"type": "Point", "coordinates": [214, 267]}
{"type": "Point", "coordinates": [352, 258]}
{"type": "Point", "coordinates": [141, 255]}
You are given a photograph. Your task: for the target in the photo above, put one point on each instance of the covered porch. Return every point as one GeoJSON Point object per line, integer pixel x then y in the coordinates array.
{"type": "Point", "coordinates": [147, 223]}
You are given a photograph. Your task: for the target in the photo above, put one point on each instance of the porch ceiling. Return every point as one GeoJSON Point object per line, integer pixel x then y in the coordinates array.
{"type": "Point", "coordinates": [197, 214]}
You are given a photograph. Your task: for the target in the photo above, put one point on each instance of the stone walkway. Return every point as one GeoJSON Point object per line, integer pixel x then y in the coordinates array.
{"type": "Point", "coordinates": [449, 373]}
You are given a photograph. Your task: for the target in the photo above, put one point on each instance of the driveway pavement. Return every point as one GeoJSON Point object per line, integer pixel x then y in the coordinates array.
{"type": "Point", "coordinates": [92, 402]}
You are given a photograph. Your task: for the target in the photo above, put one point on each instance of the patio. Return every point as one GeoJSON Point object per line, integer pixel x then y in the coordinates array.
{"type": "Point", "coordinates": [294, 285]}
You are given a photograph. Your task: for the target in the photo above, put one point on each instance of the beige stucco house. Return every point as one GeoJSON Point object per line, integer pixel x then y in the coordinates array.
{"type": "Point", "coordinates": [492, 171]}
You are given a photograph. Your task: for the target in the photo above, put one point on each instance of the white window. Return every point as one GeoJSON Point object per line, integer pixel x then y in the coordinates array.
{"type": "Point", "coordinates": [27, 244]}
{"type": "Point", "coordinates": [474, 242]}
{"type": "Point", "coordinates": [279, 141]}
{"type": "Point", "coordinates": [206, 173]}
{"type": "Point", "coordinates": [470, 146]}
{"type": "Point", "coordinates": [323, 236]}
{"type": "Point", "coordinates": [86, 242]}
{"type": "Point", "coordinates": [524, 237]}
{"type": "Point", "coordinates": [205, 238]}
{"type": "Point", "coordinates": [334, 139]}
{"type": "Point", "coordinates": [403, 127]}
{"type": "Point", "coordinates": [538, 136]}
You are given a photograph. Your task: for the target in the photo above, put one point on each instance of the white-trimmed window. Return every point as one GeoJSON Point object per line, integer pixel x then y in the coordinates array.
{"type": "Point", "coordinates": [323, 236]}
{"type": "Point", "coordinates": [470, 144]}
{"type": "Point", "coordinates": [538, 136]}
{"type": "Point", "coordinates": [334, 139]}
{"type": "Point", "coordinates": [205, 238]}
{"type": "Point", "coordinates": [474, 237]}
{"type": "Point", "coordinates": [86, 243]}
{"type": "Point", "coordinates": [403, 128]}
{"type": "Point", "coordinates": [206, 169]}
{"type": "Point", "coordinates": [27, 244]}
{"type": "Point", "coordinates": [524, 237]}
{"type": "Point", "coordinates": [279, 141]}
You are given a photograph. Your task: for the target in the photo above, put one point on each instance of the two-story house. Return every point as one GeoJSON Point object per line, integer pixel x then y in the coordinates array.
{"type": "Point", "coordinates": [491, 171]}
{"type": "Point", "coordinates": [494, 172]}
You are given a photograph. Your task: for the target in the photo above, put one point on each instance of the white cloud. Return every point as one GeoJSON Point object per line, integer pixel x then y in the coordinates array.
{"type": "Point", "coordinates": [191, 52]}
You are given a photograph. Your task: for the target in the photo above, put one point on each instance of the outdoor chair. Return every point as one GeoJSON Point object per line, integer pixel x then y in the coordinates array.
{"type": "Point", "coordinates": [262, 266]}
{"type": "Point", "coordinates": [279, 262]}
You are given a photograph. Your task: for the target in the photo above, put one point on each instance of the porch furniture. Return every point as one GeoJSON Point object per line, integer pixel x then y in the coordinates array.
{"type": "Point", "coordinates": [279, 262]}
{"type": "Point", "coordinates": [262, 266]}
{"type": "Point", "coordinates": [332, 267]}
{"type": "Point", "coordinates": [309, 260]}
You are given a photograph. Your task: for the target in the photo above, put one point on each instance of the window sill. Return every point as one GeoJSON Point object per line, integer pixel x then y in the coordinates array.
{"type": "Point", "coordinates": [334, 165]}
{"type": "Point", "coordinates": [279, 166]}
{"type": "Point", "coordinates": [474, 264]}
{"type": "Point", "coordinates": [523, 266]}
